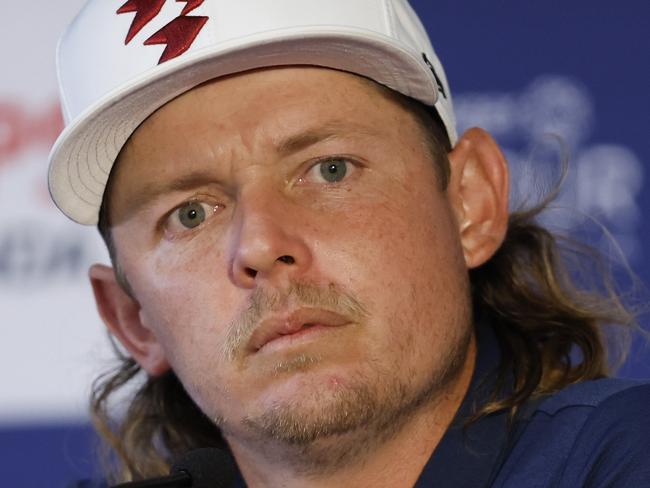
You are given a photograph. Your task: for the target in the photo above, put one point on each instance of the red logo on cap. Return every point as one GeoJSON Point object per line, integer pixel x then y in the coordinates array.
{"type": "Point", "coordinates": [191, 5]}
{"type": "Point", "coordinates": [145, 11]}
{"type": "Point", "coordinates": [178, 35]}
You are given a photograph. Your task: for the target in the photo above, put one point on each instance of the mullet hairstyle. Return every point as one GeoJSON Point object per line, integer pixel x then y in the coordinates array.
{"type": "Point", "coordinates": [549, 328]}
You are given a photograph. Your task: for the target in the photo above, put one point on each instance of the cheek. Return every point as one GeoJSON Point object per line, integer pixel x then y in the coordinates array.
{"type": "Point", "coordinates": [188, 305]}
{"type": "Point", "coordinates": [404, 260]}
{"type": "Point", "coordinates": [397, 239]}
{"type": "Point", "coordinates": [185, 301]}
{"type": "Point", "coordinates": [188, 276]}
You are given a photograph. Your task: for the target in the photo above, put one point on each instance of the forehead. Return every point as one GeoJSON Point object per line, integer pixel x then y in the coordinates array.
{"type": "Point", "coordinates": [268, 105]}
{"type": "Point", "coordinates": [278, 93]}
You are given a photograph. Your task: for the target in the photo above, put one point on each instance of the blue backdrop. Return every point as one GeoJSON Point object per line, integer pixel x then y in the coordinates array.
{"type": "Point", "coordinates": [581, 64]}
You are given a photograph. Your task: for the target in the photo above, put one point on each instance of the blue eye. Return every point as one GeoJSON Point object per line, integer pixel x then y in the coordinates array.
{"type": "Point", "coordinates": [333, 170]}
{"type": "Point", "coordinates": [191, 215]}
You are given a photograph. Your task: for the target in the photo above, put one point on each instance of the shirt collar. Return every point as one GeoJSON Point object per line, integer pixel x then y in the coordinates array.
{"type": "Point", "coordinates": [469, 456]}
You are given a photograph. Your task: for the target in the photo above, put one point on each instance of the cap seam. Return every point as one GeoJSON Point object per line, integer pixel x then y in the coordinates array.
{"type": "Point", "coordinates": [389, 15]}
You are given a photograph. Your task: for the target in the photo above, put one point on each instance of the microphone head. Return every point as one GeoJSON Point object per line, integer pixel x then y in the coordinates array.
{"type": "Point", "coordinates": [209, 467]}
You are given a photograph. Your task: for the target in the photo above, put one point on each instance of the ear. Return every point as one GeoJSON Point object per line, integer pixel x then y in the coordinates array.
{"type": "Point", "coordinates": [478, 192]}
{"type": "Point", "coordinates": [121, 315]}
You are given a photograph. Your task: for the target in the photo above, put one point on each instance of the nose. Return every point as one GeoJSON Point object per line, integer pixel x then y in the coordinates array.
{"type": "Point", "coordinates": [267, 244]}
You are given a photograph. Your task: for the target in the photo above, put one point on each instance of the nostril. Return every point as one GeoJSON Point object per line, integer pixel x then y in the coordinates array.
{"type": "Point", "coordinates": [287, 259]}
{"type": "Point", "coordinates": [250, 272]}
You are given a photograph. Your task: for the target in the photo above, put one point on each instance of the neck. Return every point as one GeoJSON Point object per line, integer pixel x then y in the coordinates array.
{"type": "Point", "coordinates": [393, 460]}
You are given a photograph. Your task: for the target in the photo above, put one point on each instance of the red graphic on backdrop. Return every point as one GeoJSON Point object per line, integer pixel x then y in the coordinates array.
{"type": "Point", "coordinates": [179, 35]}
{"type": "Point", "coordinates": [191, 5]}
{"type": "Point", "coordinates": [22, 129]}
{"type": "Point", "coordinates": [145, 10]}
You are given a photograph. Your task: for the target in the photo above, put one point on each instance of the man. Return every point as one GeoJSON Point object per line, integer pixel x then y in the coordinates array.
{"type": "Point", "coordinates": [312, 270]}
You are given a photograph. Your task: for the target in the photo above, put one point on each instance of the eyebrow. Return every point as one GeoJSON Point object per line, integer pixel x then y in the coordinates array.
{"type": "Point", "coordinates": [190, 181]}
{"type": "Point", "coordinates": [322, 133]}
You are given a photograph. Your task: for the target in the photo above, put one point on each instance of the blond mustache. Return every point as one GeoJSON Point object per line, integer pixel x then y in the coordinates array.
{"type": "Point", "coordinates": [265, 302]}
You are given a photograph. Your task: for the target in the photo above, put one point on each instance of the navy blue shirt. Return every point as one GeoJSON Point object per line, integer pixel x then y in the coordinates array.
{"type": "Point", "coordinates": [594, 434]}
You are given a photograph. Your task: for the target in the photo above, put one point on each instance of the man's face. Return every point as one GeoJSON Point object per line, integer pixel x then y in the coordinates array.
{"type": "Point", "coordinates": [292, 252]}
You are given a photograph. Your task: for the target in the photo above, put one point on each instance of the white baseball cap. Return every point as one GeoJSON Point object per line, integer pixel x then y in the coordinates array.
{"type": "Point", "coordinates": [119, 61]}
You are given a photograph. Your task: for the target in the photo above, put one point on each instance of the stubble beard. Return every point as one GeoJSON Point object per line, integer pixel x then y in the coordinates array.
{"type": "Point", "coordinates": [325, 431]}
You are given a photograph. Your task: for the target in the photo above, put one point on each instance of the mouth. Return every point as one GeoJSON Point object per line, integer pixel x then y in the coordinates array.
{"type": "Point", "coordinates": [298, 326]}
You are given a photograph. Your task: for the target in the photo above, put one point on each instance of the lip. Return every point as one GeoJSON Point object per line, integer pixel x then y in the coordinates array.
{"type": "Point", "coordinates": [293, 323]}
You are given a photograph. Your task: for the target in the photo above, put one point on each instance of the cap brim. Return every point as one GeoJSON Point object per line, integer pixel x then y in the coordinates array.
{"type": "Point", "coordinates": [83, 155]}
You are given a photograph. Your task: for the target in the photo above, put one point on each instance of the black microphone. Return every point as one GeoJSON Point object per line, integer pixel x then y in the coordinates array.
{"type": "Point", "coordinates": [201, 468]}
